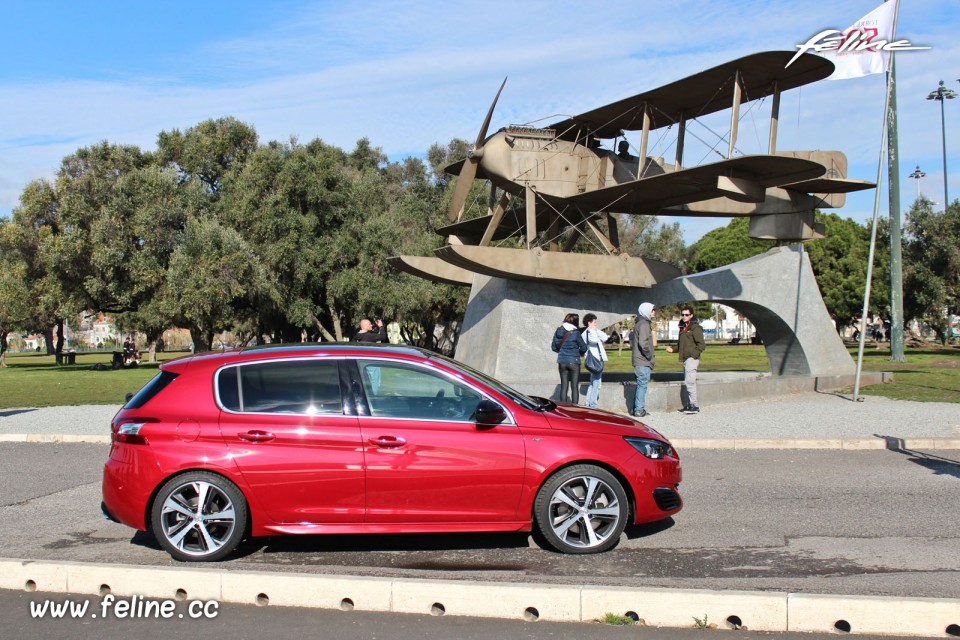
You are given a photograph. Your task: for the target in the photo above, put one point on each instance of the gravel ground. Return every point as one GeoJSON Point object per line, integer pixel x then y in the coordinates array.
{"type": "Point", "coordinates": [808, 415]}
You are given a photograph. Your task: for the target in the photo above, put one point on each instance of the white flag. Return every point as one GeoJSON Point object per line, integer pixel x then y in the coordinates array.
{"type": "Point", "coordinates": [854, 57]}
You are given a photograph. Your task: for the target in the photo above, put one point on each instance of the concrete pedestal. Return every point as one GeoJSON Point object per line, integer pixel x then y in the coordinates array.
{"type": "Point", "coordinates": [509, 325]}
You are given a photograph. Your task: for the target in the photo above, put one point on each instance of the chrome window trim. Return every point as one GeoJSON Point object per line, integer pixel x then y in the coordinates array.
{"type": "Point", "coordinates": [237, 365]}
{"type": "Point", "coordinates": [456, 378]}
{"type": "Point", "coordinates": [427, 365]}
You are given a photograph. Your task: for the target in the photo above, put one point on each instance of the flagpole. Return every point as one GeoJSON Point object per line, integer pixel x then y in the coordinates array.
{"type": "Point", "coordinates": [893, 177]}
{"type": "Point", "coordinates": [873, 243]}
{"type": "Point", "coordinates": [876, 214]}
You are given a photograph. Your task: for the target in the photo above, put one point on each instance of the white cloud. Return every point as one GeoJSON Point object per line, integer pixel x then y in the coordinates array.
{"type": "Point", "coordinates": [407, 75]}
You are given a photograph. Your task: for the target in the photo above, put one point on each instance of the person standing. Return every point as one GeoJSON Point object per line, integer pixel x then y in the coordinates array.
{"type": "Point", "coordinates": [594, 338]}
{"type": "Point", "coordinates": [641, 346]}
{"type": "Point", "coordinates": [690, 345]}
{"type": "Point", "coordinates": [568, 344]}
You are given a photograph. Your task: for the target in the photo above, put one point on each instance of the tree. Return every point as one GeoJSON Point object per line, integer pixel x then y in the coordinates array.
{"type": "Point", "coordinates": [931, 272]}
{"type": "Point", "coordinates": [647, 237]}
{"type": "Point", "coordinates": [34, 228]}
{"type": "Point", "coordinates": [212, 275]}
{"type": "Point", "coordinates": [215, 232]}
{"type": "Point", "coordinates": [208, 150]}
{"type": "Point", "coordinates": [15, 293]}
{"type": "Point", "coordinates": [726, 245]}
{"type": "Point", "coordinates": [289, 201]}
{"type": "Point", "coordinates": [839, 262]}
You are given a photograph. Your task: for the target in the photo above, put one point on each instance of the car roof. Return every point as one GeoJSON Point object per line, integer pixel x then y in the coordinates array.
{"type": "Point", "coordinates": [219, 358]}
{"type": "Point", "coordinates": [299, 347]}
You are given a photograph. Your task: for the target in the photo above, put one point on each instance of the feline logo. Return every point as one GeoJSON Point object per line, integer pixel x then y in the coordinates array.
{"type": "Point", "coordinates": [855, 39]}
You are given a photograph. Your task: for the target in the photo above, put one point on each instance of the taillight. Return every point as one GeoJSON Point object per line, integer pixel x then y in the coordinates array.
{"type": "Point", "coordinates": [129, 433]}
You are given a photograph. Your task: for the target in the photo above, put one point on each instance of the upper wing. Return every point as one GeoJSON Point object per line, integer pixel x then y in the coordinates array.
{"type": "Point", "coordinates": [700, 94]}
{"type": "Point", "coordinates": [649, 195]}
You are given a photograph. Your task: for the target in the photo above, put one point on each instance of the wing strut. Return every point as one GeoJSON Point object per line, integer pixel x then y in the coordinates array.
{"type": "Point", "coordinates": [681, 131]}
{"type": "Point", "coordinates": [735, 114]}
{"type": "Point", "coordinates": [774, 117]}
{"type": "Point", "coordinates": [644, 138]}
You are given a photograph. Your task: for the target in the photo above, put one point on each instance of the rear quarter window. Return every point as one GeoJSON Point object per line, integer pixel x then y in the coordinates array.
{"type": "Point", "coordinates": [294, 386]}
{"type": "Point", "coordinates": [150, 390]}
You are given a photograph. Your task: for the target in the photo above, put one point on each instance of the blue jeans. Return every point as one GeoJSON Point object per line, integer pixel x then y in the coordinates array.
{"type": "Point", "coordinates": [593, 391]}
{"type": "Point", "coordinates": [643, 379]}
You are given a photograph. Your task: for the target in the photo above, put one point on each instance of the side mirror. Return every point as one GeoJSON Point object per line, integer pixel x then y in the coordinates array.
{"type": "Point", "coordinates": [127, 397]}
{"type": "Point", "coordinates": [489, 412]}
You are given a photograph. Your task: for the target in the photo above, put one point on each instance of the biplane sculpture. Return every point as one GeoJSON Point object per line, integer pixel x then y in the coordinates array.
{"type": "Point", "coordinates": [567, 180]}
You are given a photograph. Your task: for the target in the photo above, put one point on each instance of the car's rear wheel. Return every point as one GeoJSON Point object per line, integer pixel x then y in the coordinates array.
{"type": "Point", "coordinates": [582, 509]}
{"type": "Point", "coordinates": [199, 516]}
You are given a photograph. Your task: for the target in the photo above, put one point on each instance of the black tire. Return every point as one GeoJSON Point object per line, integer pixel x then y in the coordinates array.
{"type": "Point", "coordinates": [574, 519]}
{"type": "Point", "coordinates": [192, 532]}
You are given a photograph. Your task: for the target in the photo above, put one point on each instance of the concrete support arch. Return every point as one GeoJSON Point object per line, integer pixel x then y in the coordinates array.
{"type": "Point", "coordinates": [778, 293]}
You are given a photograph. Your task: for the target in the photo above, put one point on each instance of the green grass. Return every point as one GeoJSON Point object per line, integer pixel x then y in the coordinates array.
{"type": "Point", "coordinates": [931, 374]}
{"type": "Point", "coordinates": [717, 357]}
{"type": "Point", "coordinates": [34, 380]}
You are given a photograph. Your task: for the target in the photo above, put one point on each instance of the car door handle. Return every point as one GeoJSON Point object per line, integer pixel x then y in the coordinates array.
{"type": "Point", "coordinates": [256, 436]}
{"type": "Point", "coordinates": [387, 441]}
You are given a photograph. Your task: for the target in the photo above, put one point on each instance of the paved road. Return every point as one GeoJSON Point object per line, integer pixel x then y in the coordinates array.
{"type": "Point", "coordinates": [243, 622]}
{"type": "Point", "coordinates": [844, 522]}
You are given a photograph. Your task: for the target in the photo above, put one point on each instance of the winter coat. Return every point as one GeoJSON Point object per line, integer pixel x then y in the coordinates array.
{"type": "Point", "coordinates": [641, 344]}
{"type": "Point", "coordinates": [572, 347]}
{"type": "Point", "coordinates": [595, 339]}
{"type": "Point", "coordinates": [691, 344]}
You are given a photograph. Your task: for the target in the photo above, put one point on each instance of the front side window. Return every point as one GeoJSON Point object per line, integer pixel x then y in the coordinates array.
{"type": "Point", "coordinates": [309, 387]}
{"type": "Point", "coordinates": [400, 390]}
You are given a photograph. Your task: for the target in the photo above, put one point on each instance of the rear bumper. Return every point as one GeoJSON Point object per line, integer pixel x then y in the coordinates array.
{"type": "Point", "coordinates": [124, 497]}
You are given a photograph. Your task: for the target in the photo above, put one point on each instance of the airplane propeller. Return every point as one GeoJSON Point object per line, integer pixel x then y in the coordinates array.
{"type": "Point", "coordinates": [469, 170]}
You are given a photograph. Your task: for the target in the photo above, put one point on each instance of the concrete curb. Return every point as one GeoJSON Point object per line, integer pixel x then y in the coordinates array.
{"type": "Point", "coordinates": [49, 438]}
{"type": "Point", "coordinates": [757, 611]}
{"type": "Point", "coordinates": [850, 444]}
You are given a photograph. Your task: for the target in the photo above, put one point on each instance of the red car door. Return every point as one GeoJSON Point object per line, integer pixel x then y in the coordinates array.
{"type": "Point", "coordinates": [296, 448]}
{"type": "Point", "coordinates": [427, 459]}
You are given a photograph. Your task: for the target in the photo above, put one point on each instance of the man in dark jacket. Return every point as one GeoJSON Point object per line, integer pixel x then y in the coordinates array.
{"type": "Point", "coordinates": [690, 345]}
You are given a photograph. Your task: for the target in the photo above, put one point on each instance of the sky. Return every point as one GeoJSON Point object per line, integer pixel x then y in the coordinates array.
{"type": "Point", "coordinates": [407, 75]}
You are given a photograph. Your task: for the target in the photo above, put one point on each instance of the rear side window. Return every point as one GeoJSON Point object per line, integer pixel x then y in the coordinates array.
{"type": "Point", "coordinates": [292, 386]}
{"type": "Point", "coordinates": [151, 389]}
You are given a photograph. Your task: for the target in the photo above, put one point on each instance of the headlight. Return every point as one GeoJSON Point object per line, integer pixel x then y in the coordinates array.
{"type": "Point", "coordinates": [653, 449]}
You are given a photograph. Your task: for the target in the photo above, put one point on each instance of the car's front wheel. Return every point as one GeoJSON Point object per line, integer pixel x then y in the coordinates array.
{"type": "Point", "coordinates": [199, 516]}
{"type": "Point", "coordinates": [582, 509]}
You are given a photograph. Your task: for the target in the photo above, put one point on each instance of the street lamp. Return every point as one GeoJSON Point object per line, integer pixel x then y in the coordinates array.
{"type": "Point", "coordinates": [916, 175]}
{"type": "Point", "coordinates": [943, 94]}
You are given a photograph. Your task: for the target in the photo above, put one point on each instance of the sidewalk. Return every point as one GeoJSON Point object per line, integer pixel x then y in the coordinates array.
{"type": "Point", "coordinates": [824, 420]}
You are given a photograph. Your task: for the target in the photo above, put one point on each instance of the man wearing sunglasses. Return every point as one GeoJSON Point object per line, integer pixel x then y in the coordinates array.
{"type": "Point", "coordinates": [690, 345]}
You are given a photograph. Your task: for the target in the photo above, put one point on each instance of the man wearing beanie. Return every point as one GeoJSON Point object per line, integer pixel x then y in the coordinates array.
{"type": "Point", "coordinates": [641, 345]}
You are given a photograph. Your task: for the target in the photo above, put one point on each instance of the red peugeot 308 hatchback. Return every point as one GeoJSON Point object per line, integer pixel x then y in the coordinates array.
{"type": "Point", "coordinates": [337, 438]}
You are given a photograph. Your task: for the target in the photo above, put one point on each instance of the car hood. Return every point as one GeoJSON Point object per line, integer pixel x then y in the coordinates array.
{"type": "Point", "coordinates": [571, 417]}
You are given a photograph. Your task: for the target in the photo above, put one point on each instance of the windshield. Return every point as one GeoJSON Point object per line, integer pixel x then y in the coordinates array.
{"type": "Point", "coordinates": [493, 383]}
